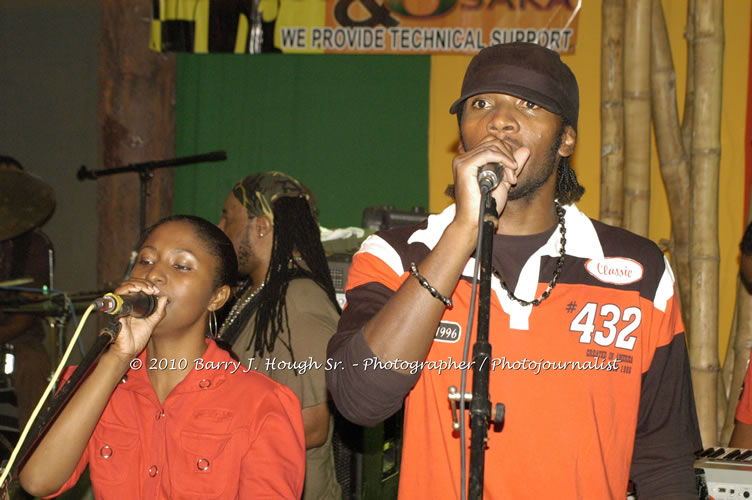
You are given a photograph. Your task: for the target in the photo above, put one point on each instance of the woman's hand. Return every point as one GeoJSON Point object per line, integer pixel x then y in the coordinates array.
{"type": "Point", "coordinates": [135, 332]}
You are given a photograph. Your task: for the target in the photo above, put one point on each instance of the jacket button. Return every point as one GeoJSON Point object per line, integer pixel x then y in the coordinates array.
{"type": "Point", "coordinates": [153, 471]}
{"type": "Point", "coordinates": [106, 451]}
{"type": "Point", "coordinates": [202, 464]}
{"type": "Point", "coordinates": [204, 383]}
{"type": "Point", "coordinates": [160, 414]}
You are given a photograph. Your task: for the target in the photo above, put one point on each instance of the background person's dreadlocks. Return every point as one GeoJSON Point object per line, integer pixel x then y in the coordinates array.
{"type": "Point", "coordinates": [296, 252]}
{"type": "Point", "coordinates": [286, 310]}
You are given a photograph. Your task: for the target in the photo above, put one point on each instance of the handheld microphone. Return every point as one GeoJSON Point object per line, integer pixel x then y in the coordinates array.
{"type": "Point", "coordinates": [138, 305]}
{"type": "Point", "coordinates": [489, 176]}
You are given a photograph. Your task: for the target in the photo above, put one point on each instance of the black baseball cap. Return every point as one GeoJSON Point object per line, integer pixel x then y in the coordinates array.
{"type": "Point", "coordinates": [525, 70]}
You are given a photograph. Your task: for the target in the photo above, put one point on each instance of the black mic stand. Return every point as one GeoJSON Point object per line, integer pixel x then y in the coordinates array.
{"type": "Point", "coordinates": [145, 174]}
{"type": "Point", "coordinates": [480, 405]}
{"type": "Point", "coordinates": [107, 336]}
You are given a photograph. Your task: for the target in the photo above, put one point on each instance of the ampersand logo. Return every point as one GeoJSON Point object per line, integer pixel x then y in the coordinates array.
{"type": "Point", "coordinates": [380, 15]}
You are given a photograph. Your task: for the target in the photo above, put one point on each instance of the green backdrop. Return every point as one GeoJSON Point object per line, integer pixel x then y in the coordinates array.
{"type": "Point", "coordinates": [352, 128]}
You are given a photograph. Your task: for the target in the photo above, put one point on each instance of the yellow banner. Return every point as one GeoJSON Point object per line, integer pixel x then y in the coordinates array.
{"type": "Point", "coordinates": [428, 27]}
{"type": "Point", "coordinates": [363, 26]}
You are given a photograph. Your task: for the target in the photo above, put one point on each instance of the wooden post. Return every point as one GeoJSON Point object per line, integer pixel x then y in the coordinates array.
{"type": "Point", "coordinates": [137, 124]}
{"type": "Point", "coordinates": [637, 116]}
{"type": "Point", "coordinates": [612, 113]}
{"type": "Point", "coordinates": [703, 233]}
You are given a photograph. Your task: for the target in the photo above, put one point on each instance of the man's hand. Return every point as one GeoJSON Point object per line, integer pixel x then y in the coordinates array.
{"type": "Point", "coordinates": [466, 166]}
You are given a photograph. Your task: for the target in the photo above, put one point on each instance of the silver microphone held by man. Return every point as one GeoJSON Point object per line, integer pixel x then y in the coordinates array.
{"type": "Point", "coordinates": [489, 176]}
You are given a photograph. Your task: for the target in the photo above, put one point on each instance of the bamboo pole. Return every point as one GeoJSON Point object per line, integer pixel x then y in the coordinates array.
{"type": "Point", "coordinates": [725, 378]}
{"type": "Point", "coordinates": [704, 250]}
{"type": "Point", "coordinates": [727, 368]}
{"type": "Point", "coordinates": [612, 113]}
{"type": "Point", "coordinates": [689, 94]}
{"type": "Point", "coordinates": [637, 116]}
{"type": "Point", "coordinates": [672, 156]}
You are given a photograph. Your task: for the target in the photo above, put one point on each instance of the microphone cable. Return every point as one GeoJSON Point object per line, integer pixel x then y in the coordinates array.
{"type": "Point", "coordinates": [50, 387]}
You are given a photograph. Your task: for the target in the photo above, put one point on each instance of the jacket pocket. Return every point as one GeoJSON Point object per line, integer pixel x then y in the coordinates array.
{"type": "Point", "coordinates": [208, 464]}
{"type": "Point", "coordinates": [114, 455]}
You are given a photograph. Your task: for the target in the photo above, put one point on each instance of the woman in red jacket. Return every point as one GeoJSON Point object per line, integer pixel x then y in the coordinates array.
{"type": "Point", "coordinates": [167, 413]}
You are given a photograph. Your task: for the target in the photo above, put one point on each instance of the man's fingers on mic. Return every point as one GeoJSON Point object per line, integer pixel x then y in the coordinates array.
{"type": "Point", "coordinates": [521, 156]}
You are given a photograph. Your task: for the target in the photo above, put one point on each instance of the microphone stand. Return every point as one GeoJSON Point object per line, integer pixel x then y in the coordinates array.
{"type": "Point", "coordinates": [145, 173]}
{"type": "Point", "coordinates": [107, 336]}
{"type": "Point", "coordinates": [480, 405]}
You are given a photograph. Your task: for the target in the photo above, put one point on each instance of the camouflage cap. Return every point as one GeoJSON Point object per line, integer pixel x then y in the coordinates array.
{"type": "Point", "coordinates": [257, 192]}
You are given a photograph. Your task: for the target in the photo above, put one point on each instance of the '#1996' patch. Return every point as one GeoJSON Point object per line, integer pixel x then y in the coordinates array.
{"type": "Point", "coordinates": [448, 331]}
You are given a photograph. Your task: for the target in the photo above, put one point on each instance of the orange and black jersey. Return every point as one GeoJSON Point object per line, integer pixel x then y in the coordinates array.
{"type": "Point", "coordinates": [595, 379]}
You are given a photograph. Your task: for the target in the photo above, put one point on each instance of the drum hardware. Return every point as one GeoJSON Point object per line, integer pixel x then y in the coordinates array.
{"type": "Point", "coordinates": [16, 282]}
{"type": "Point", "coordinates": [56, 307]}
{"type": "Point", "coordinates": [51, 267]}
{"type": "Point", "coordinates": [76, 304]}
{"type": "Point", "coordinates": [5, 489]}
{"type": "Point", "coordinates": [53, 304]}
{"type": "Point", "coordinates": [8, 359]}
{"type": "Point", "coordinates": [25, 202]}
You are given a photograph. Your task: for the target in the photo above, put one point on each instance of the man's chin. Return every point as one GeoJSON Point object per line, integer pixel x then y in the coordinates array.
{"type": "Point", "coordinates": [519, 192]}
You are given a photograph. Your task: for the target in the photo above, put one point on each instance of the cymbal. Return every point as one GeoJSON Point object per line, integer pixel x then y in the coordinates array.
{"type": "Point", "coordinates": [26, 201]}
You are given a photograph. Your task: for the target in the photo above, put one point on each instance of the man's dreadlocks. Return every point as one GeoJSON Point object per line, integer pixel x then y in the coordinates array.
{"type": "Point", "coordinates": [568, 189]}
{"type": "Point", "coordinates": [295, 229]}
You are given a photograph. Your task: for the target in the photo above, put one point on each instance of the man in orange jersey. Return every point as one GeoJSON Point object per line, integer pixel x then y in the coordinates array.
{"type": "Point", "coordinates": [589, 355]}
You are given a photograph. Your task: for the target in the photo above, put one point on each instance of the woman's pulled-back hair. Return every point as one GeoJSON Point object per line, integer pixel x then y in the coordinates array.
{"type": "Point", "coordinates": [216, 243]}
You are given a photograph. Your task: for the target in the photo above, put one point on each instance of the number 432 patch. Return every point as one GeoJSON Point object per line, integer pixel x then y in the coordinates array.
{"type": "Point", "coordinates": [606, 319]}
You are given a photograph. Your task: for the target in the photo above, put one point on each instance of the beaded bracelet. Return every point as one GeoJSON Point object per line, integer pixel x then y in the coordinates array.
{"type": "Point", "coordinates": [425, 284]}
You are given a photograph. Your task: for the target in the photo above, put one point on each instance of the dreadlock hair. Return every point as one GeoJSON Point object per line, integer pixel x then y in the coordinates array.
{"type": "Point", "coordinates": [294, 229]}
{"type": "Point", "coordinates": [217, 244]}
{"type": "Point", "coordinates": [568, 189]}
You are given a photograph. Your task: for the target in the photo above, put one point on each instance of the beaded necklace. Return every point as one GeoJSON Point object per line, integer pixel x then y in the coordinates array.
{"type": "Point", "coordinates": [238, 307]}
{"type": "Point", "coordinates": [557, 271]}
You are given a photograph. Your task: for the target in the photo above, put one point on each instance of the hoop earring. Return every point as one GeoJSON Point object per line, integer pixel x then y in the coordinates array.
{"type": "Point", "coordinates": [213, 324]}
